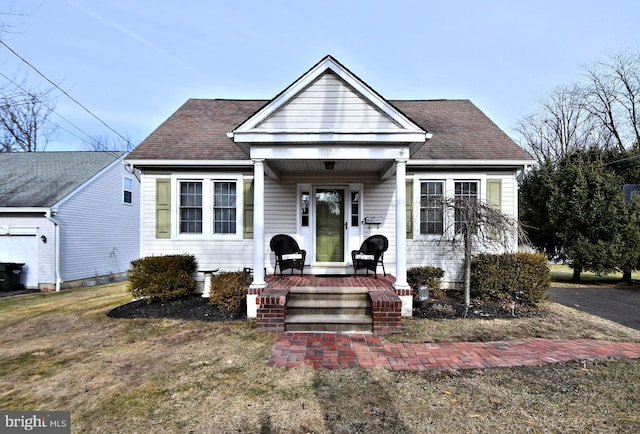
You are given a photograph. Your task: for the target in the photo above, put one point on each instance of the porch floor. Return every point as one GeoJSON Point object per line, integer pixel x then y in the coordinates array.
{"type": "Point", "coordinates": [351, 281]}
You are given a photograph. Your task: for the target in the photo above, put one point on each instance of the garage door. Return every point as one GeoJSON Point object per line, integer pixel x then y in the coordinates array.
{"type": "Point", "coordinates": [21, 249]}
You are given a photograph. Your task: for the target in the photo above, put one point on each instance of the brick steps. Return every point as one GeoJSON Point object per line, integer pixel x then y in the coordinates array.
{"type": "Point", "coordinates": [328, 309]}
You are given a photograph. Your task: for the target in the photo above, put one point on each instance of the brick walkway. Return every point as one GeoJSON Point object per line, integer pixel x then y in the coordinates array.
{"type": "Point", "coordinates": [337, 350]}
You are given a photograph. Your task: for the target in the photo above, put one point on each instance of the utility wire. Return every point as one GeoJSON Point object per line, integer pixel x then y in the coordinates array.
{"type": "Point", "coordinates": [64, 92]}
{"type": "Point", "coordinates": [50, 108]}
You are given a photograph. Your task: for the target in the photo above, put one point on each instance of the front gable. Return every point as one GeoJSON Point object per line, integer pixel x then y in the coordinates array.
{"type": "Point", "coordinates": [329, 104]}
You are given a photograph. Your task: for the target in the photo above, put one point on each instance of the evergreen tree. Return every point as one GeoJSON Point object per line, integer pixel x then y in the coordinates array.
{"type": "Point", "coordinates": [574, 211]}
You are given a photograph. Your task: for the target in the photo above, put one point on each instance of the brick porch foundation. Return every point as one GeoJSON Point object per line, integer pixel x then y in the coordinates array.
{"type": "Point", "coordinates": [386, 306]}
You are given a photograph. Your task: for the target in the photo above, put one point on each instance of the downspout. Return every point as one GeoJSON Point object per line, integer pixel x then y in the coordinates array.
{"type": "Point", "coordinates": [47, 215]}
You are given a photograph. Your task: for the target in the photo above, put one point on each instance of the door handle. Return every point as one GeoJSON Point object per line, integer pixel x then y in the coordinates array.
{"type": "Point", "coordinates": [345, 226]}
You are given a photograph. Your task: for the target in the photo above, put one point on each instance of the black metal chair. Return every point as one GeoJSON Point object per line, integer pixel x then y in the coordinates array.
{"type": "Point", "coordinates": [288, 254]}
{"type": "Point", "coordinates": [371, 254]}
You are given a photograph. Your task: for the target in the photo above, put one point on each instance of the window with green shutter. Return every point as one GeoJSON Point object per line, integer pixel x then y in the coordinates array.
{"type": "Point", "coordinates": [163, 208]}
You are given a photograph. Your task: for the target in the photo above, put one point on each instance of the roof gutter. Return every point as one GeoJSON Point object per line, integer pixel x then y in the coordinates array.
{"type": "Point", "coordinates": [48, 215]}
{"type": "Point", "coordinates": [198, 163]}
{"type": "Point", "coordinates": [470, 163]}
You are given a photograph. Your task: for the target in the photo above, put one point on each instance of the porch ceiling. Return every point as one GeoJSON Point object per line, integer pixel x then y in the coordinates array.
{"type": "Point", "coordinates": [340, 167]}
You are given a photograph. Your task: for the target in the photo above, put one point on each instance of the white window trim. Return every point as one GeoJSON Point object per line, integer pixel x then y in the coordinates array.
{"type": "Point", "coordinates": [418, 208]}
{"type": "Point", "coordinates": [124, 180]}
{"type": "Point", "coordinates": [449, 180]}
{"type": "Point", "coordinates": [207, 206]}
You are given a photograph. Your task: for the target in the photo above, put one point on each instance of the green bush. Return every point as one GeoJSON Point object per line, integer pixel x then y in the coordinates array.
{"type": "Point", "coordinates": [421, 276]}
{"type": "Point", "coordinates": [162, 278]}
{"type": "Point", "coordinates": [521, 277]}
{"type": "Point", "coordinates": [228, 289]}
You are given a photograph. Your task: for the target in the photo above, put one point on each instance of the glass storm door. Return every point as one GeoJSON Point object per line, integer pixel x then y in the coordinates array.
{"type": "Point", "coordinates": [330, 223]}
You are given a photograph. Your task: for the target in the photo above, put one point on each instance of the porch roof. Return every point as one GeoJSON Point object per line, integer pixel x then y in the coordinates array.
{"type": "Point", "coordinates": [199, 131]}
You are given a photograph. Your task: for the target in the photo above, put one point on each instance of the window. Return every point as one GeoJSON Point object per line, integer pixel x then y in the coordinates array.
{"type": "Point", "coordinates": [432, 207]}
{"type": "Point", "coordinates": [224, 207]}
{"type": "Point", "coordinates": [304, 208]}
{"type": "Point", "coordinates": [466, 192]}
{"type": "Point", "coordinates": [127, 190]}
{"type": "Point", "coordinates": [355, 208]}
{"type": "Point", "coordinates": [191, 207]}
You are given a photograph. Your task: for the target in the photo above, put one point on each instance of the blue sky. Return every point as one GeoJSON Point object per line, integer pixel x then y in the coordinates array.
{"type": "Point", "coordinates": [134, 62]}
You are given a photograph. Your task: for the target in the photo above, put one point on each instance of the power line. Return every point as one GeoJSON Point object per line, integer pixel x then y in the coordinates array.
{"type": "Point", "coordinates": [50, 108]}
{"type": "Point", "coordinates": [64, 92]}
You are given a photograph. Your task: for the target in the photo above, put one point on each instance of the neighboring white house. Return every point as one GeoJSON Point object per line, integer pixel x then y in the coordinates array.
{"type": "Point", "coordinates": [72, 218]}
{"type": "Point", "coordinates": [221, 177]}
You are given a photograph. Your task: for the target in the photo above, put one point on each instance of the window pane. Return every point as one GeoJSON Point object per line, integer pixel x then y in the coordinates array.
{"type": "Point", "coordinates": [431, 203]}
{"type": "Point", "coordinates": [191, 207]}
{"type": "Point", "coordinates": [466, 193]}
{"type": "Point", "coordinates": [224, 207]}
{"type": "Point", "coordinates": [304, 208]}
{"type": "Point", "coordinates": [355, 209]}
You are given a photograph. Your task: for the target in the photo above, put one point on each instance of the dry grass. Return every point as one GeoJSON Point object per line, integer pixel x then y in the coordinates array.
{"type": "Point", "coordinates": [562, 275]}
{"type": "Point", "coordinates": [60, 352]}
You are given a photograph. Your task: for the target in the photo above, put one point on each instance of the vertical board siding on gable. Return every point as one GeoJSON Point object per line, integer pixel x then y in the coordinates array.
{"type": "Point", "coordinates": [99, 234]}
{"type": "Point", "coordinates": [328, 103]}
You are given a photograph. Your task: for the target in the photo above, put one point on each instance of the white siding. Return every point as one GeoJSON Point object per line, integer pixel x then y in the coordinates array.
{"type": "Point", "coordinates": [437, 252]}
{"type": "Point", "coordinates": [99, 233]}
{"type": "Point", "coordinates": [281, 213]}
{"type": "Point", "coordinates": [379, 200]}
{"type": "Point", "coordinates": [226, 253]}
{"type": "Point", "coordinates": [328, 104]}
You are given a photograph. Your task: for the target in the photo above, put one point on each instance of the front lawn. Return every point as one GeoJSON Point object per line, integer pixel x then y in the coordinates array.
{"type": "Point", "coordinates": [61, 352]}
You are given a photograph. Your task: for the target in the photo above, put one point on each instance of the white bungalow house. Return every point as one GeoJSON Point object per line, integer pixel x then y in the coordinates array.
{"type": "Point", "coordinates": [72, 218]}
{"type": "Point", "coordinates": [221, 177]}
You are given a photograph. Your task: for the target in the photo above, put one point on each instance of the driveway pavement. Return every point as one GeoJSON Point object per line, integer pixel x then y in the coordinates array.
{"type": "Point", "coordinates": [620, 304]}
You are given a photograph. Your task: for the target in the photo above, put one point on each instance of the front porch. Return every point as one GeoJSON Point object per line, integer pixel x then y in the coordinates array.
{"type": "Point", "coordinates": [384, 306]}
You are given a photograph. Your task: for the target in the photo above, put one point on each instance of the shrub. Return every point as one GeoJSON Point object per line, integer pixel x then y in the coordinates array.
{"type": "Point", "coordinates": [429, 276]}
{"type": "Point", "coordinates": [228, 289]}
{"type": "Point", "coordinates": [162, 278]}
{"type": "Point", "coordinates": [523, 277]}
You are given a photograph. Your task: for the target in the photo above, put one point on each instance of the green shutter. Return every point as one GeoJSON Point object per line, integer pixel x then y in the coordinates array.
{"type": "Point", "coordinates": [494, 193]}
{"type": "Point", "coordinates": [163, 208]}
{"type": "Point", "coordinates": [248, 209]}
{"type": "Point", "coordinates": [409, 209]}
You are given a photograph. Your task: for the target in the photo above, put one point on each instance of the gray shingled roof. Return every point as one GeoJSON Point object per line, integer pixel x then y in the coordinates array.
{"type": "Point", "coordinates": [198, 131]}
{"type": "Point", "coordinates": [41, 179]}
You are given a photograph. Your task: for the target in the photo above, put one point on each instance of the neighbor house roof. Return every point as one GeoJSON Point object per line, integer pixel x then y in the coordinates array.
{"type": "Point", "coordinates": [41, 179]}
{"type": "Point", "coordinates": [198, 131]}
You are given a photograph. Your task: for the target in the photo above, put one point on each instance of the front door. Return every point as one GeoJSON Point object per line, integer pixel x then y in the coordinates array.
{"type": "Point", "coordinates": [330, 225]}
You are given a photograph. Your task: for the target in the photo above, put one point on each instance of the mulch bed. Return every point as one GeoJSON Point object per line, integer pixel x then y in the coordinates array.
{"type": "Point", "coordinates": [193, 308]}
{"type": "Point", "coordinates": [450, 307]}
{"type": "Point", "coordinates": [197, 308]}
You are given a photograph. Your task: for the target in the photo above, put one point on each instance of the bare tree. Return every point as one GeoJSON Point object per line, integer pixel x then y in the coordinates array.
{"type": "Point", "coordinates": [475, 227]}
{"type": "Point", "coordinates": [563, 125]}
{"type": "Point", "coordinates": [613, 96]}
{"type": "Point", "coordinates": [602, 111]}
{"type": "Point", "coordinates": [108, 143]}
{"type": "Point", "coordinates": [24, 120]}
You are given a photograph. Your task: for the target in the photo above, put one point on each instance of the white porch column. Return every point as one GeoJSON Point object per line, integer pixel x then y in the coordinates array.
{"type": "Point", "coordinates": [258, 239]}
{"type": "Point", "coordinates": [401, 286]}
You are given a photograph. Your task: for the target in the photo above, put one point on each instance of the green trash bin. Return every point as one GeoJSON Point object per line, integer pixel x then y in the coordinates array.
{"type": "Point", "coordinates": [10, 273]}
